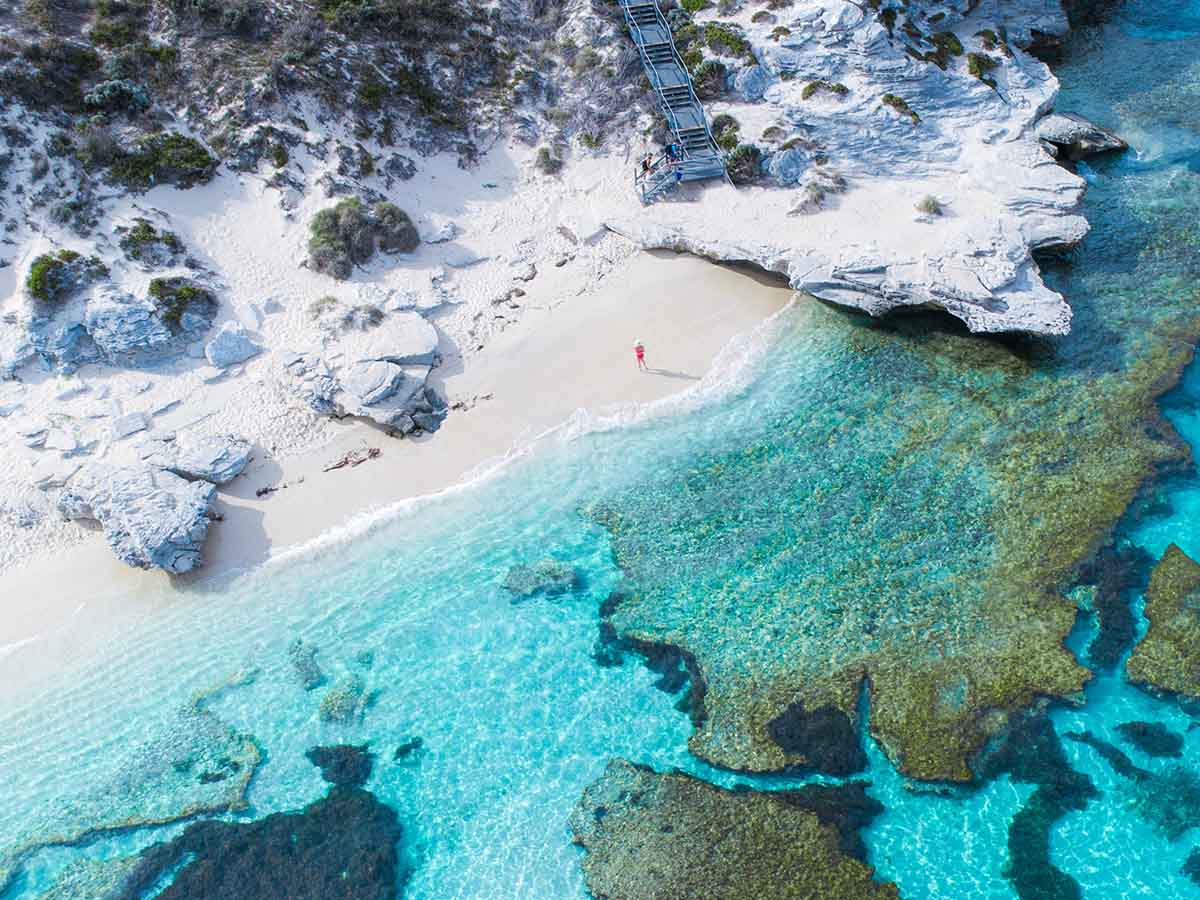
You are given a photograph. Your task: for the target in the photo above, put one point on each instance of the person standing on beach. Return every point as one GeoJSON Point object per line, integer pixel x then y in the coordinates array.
{"type": "Point", "coordinates": [639, 352]}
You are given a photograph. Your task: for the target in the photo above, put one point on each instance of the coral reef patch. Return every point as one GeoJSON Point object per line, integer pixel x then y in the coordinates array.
{"type": "Point", "coordinates": [1168, 657]}
{"type": "Point", "coordinates": [652, 836]}
{"type": "Point", "coordinates": [1152, 738]}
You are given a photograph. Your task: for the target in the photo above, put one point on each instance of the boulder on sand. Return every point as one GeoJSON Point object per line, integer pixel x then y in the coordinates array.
{"type": "Point", "coordinates": [1074, 137]}
{"type": "Point", "coordinates": [231, 345]}
{"type": "Point", "coordinates": [152, 519]}
{"type": "Point", "coordinates": [218, 458]}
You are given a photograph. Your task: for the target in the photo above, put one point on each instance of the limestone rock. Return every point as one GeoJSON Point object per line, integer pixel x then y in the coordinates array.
{"type": "Point", "coordinates": [1076, 137]}
{"type": "Point", "coordinates": [151, 518]}
{"type": "Point", "coordinates": [124, 327]}
{"type": "Point", "coordinates": [232, 344]}
{"type": "Point", "coordinates": [218, 458]}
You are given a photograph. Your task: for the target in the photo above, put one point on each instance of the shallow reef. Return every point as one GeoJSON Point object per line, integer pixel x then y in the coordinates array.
{"type": "Point", "coordinates": [341, 847]}
{"type": "Point", "coordinates": [652, 836]}
{"type": "Point", "coordinates": [1168, 657]}
{"type": "Point", "coordinates": [546, 577]}
{"type": "Point", "coordinates": [200, 765]}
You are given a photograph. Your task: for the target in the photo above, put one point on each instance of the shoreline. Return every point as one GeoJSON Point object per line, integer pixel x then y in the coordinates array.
{"type": "Point", "coordinates": [561, 357]}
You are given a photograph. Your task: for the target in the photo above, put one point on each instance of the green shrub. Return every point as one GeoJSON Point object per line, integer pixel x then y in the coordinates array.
{"type": "Point", "coordinates": [279, 155]}
{"type": "Point", "coordinates": [172, 297]}
{"type": "Point", "coordinates": [888, 18]}
{"type": "Point", "coordinates": [899, 104]}
{"type": "Point", "coordinates": [762, 17]}
{"type": "Point", "coordinates": [52, 276]}
{"type": "Point", "coordinates": [321, 306]}
{"type": "Point", "coordinates": [548, 162]}
{"type": "Point", "coordinates": [727, 39]}
{"type": "Point", "coordinates": [744, 164]}
{"type": "Point", "coordinates": [780, 32]}
{"type": "Point", "coordinates": [929, 205]}
{"type": "Point", "coordinates": [694, 6]}
{"type": "Point", "coordinates": [980, 65]}
{"type": "Point", "coordinates": [832, 87]}
{"type": "Point", "coordinates": [396, 231]}
{"type": "Point", "coordinates": [168, 158]}
{"type": "Point", "coordinates": [946, 45]}
{"type": "Point", "coordinates": [143, 239]}
{"type": "Point", "coordinates": [988, 38]}
{"type": "Point", "coordinates": [371, 93]}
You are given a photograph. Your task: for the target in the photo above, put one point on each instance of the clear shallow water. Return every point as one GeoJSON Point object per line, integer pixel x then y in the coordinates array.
{"type": "Point", "coordinates": [515, 715]}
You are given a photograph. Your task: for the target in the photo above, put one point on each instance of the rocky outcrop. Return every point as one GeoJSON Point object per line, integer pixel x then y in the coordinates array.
{"type": "Point", "coordinates": [841, 169]}
{"type": "Point", "coordinates": [1074, 137]}
{"type": "Point", "coordinates": [379, 375]}
{"type": "Point", "coordinates": [151, 518]}
{"type": "Point", "coordinates": [124, 327]}
{"type": "Point", "coordinates": [217, 458]}
{"type": "Point", "coordinates": [650, 836]}
{"type": "Point", "coordinates": [548, 577]}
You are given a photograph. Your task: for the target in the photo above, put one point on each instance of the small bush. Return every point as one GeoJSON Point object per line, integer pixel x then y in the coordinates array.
{"type": "Point", "coordinates": [694, 6]}
{"type": "Point", "coordinates": [727, 39]}
{"type": "Point", "coordinates": [168, 158]}
{"type": "Point", "coordinates": [831, 87]}
{"type": "Point", "coordinates": [780, 32]}
{"type": "Point", "coordinates": [988, 38]}
{"type": "Point", "coordinates": [548, 161]}
{"type": "Point", "coordinates": [899, 104]}
{"type": "Point", "coordinates": [53, 276]}
{"type": "Point", "coordinates": [321, 306]}
{"type": "Point", "coordinates": [744, 164]}
{"type": "Point", "coordinates": [172, 297]}
{"type": "Point", "coordinates": [762, 17]}
{"type": "Point", "coordinates": [116, 95]}
{"type": "Point", "coordinates": [144, 241]}
{"type": "Point", "coordinates": [725, 129]}
{"type": "Point", "coordinates": [980, 65]}
{"type": "Point", "coordinates": [362, 317]}
{"type": "Point", "coordinates": [888, 19]}
{"type": "Point", "coordinates": [709, 79]}
{"type": "Point", "coordinates": [929, 205]}
{"type": "Point", "coordinates": [279, 155]}
{"type": "Point", "coordinates": [946, 45]}
{"type": "Point", "coordinates": [397, 233]}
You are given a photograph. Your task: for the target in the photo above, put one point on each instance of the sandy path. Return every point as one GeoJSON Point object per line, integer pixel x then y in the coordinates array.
{"type": "Point", "coordinates": [565, 356]}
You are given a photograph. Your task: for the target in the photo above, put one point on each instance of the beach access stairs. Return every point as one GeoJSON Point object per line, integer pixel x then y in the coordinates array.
{"type": "Point", "coordinates": [697, 156]}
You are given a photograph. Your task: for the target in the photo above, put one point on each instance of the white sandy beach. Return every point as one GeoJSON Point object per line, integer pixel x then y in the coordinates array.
{"type": "Point", "coordinates": [561, 358]}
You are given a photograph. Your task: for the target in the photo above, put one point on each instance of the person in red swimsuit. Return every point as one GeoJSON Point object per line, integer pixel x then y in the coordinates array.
{"type": "Point", "coordinates": [639, 352]}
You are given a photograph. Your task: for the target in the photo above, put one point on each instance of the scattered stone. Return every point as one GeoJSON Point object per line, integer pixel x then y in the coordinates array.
{"type": "Point", "coordinates": [128, 424]}
{"type": "Point", "coordinates": [650, 836]}
{"type": "Point", "coordinates": [151, 518]}
{"type": "Point", "coordinates": [549, 577]}
{"type": "Point", "coordinates": [232, 344]}
{"type": "Point", "coordinates": [407, 749]}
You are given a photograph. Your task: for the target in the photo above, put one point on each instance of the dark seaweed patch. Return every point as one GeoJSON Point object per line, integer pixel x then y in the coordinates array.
{"type": "Point", "coordinates": [342, 847]}
{"type": "Point", "coordinates": [1118, 572]}
{"type": "Point", "coordinates": [1152, 738]}
{"type": "Point", "coordinates": [847, 807]}
{"type": "Point", "coordinates": [344, 765]}
{"type": "Point", "coordinates": [1191, 866]}
{"type": "Point", "coordinates": [825, 737]}
{"type": "Point", "coordinates": [1031, 753]}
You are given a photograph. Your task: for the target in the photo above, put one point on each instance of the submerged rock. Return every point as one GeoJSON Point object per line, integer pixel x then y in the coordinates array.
{"type": "Point", "coordinates": [1168, 657]}
{"type": "Point", "coordinates": [1076, 138]}
{"type": "Point", "coordinates": [651, 836]}
{"type": "Point", "coordinates": [218, 458]}
{"type": "Point", "coordinates": [303, 659]}
{"type": "Point", "coordinates": [151, 518]}
{"type": "Point", "coordinates": [550, 577]}
{"type": "Point", "coordinates": [345, 701]}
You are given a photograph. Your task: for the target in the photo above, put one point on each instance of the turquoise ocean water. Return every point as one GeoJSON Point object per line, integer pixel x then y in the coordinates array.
{"type": "Point", "coordinates": [514, 713]}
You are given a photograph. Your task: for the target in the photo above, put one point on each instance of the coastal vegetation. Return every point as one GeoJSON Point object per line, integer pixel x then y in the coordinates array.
{"type": "Point", "coordinates": [346, 235]}
{"type": "Point", "coordinates": [900, 105]}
